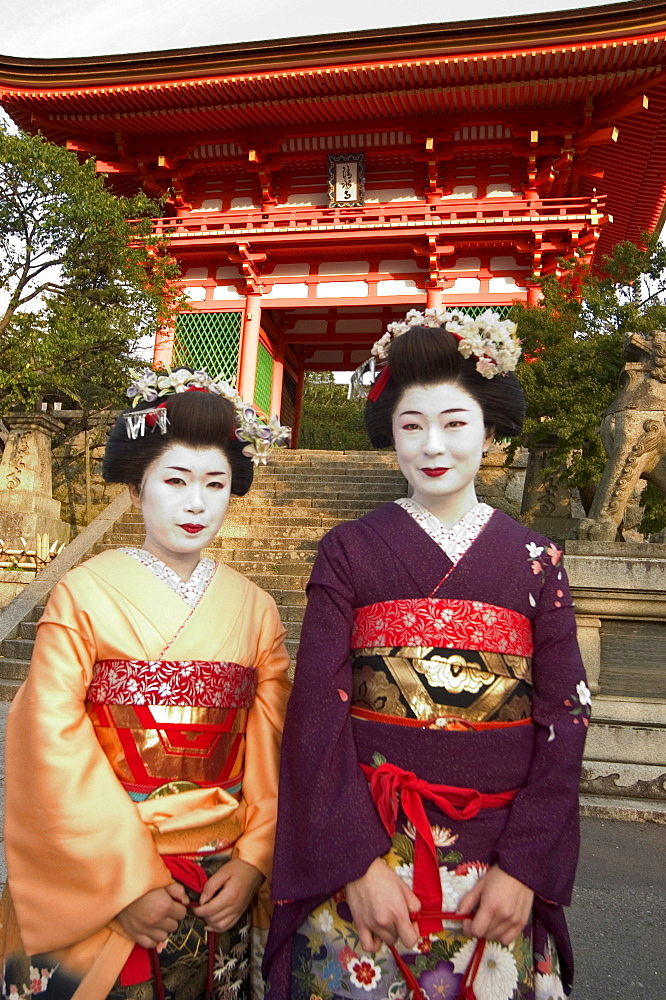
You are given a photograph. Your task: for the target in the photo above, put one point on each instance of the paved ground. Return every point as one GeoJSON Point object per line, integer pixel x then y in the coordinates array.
{"type": "Point", "coordinates": [618, 917]}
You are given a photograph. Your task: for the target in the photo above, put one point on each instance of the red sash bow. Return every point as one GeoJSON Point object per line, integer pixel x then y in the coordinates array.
{"type": "Point", "coordinates": [391, 787]}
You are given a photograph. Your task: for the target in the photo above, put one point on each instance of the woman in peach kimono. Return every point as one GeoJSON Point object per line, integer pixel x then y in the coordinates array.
{"type": "Point", "coordinates": [142, 751]}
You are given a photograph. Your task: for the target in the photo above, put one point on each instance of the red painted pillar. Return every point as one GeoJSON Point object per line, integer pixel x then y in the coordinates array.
{"type": "Point", "coordinates": [534, 294]}
{"type": "Point", "coordinates": [298, 408]}
{"type": "Point", "coordinates": [276, 385]}
{"type": "Point", "coordinates": [163, 350]}
{"type": "Point", "coordinates": [249, 347]}
{"type": "Point", "coordinates": [433, 298]}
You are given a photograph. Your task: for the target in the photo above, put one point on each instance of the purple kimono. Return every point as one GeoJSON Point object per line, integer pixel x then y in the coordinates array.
{"type": "Point", "coordinates": [464, 673]}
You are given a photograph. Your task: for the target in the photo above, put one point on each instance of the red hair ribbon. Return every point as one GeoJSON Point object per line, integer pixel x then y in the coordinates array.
{"type": "Point", "coordinates": [379, 385]}
{"type": "Point", "coordinates": [151, 419]}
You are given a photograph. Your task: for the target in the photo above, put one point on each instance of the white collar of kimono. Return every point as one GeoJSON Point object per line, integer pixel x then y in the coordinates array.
{"type": "Point", "coordinates": [191, 590]}
{"type": "Point", "coordinates": [456, 540]}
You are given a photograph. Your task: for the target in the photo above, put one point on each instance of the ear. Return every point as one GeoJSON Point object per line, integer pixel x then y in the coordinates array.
{"type": "Point", "coordinates": [488, 440]}
{"type": "Point", "coordinates": [135, 496]}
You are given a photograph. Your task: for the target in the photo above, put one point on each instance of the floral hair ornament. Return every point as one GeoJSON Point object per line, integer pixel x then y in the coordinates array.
{"type": "Point", "coordinates": [149, 386]}
{"type": "Point", "coordinates": [491, 340]}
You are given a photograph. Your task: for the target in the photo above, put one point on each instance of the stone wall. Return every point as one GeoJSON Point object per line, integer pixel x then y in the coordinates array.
{"type": "Point", "coordinates": [69, 479]}
{"type": "Point", "coordinates": [501, 485]}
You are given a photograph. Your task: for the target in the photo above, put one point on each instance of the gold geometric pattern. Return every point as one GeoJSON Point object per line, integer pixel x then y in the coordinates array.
{"type": "Point", "coordinates": [491, 685]}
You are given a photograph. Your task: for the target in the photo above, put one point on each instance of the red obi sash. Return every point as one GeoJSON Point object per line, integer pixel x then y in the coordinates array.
{"type": "Point", "coordinates": [442, 622]}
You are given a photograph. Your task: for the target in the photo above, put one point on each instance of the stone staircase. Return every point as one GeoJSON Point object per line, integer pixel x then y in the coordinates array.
{"type": "Point", "coordinates": [270, 535]}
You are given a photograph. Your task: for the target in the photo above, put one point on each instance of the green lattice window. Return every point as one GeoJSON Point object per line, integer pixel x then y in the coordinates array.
{"type": "Point", "coordinates": [264, 382]}
{"type": "Point", "coordinates": [476, 311]}
{"type": "Point", "coordinates": [208, 340]}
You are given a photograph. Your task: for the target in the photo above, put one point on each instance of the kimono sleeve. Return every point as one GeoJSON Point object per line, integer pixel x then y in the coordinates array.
{"type": "Point", "coordinates": [77, 850]}
{"type": "Point", "coordinates": [262, 747]}
{"type": "Point", "coordinates": [328, 827]}
{"type": "Point", "coordinates": [539, 845]}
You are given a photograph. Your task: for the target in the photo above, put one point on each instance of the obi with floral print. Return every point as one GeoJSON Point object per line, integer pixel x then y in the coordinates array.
{"type": "Point", "coordinates": [434, 659]}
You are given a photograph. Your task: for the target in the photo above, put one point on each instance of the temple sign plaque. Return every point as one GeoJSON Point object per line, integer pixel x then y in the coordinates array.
{"type": "Point", "coordinates": [346, 180]}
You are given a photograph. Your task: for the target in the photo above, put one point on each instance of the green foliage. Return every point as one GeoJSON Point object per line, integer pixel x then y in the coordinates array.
{"type": "Point", "coordinates": [330, 421]}
{"type": "Point", "coordinates": [572, 352]}
{"type": "Point", "coordinates": [80, 282]}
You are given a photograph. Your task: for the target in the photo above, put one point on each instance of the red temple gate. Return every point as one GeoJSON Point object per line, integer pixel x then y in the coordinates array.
{"type": "Point", "coordinates": [317, 187]}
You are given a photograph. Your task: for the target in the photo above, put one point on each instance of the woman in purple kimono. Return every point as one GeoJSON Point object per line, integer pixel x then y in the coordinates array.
{"type": "Point", "coordinates": [428, 828]}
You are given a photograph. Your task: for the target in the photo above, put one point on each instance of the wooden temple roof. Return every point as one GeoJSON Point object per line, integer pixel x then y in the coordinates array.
{"type": "Point", "coordinates": [533, 72]}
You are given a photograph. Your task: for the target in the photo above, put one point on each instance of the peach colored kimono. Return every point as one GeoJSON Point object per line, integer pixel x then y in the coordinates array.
{"type": "Point", "coordinates": [79, 847]}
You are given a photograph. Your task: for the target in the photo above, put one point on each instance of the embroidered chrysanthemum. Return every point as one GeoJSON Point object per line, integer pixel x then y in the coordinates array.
{"type": "Point", "coordinates": [364, 973]}
{"type": "Point", "coordinates": [548, 987]}
{"type": "Point", "coordinates": [463, 956]}
{"type": "Point", "coordinates": [497, 975]}
{"type": "Point", "coordinates": [442, 836]}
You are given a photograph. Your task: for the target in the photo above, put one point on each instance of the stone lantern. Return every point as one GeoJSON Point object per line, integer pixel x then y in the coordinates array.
{"type": "Point", "coordinates": [27, 507]}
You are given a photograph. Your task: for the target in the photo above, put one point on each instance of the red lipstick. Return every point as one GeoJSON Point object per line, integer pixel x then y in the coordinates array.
{"type": "Point", "coordinates": [191, 529]}
{"type": "Point", "coordinates": [434, 473]}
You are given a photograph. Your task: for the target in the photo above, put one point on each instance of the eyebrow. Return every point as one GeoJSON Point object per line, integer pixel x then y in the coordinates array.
{"type": "Point", "coordinates": [178, 468]}
{"type": "Point", "coordinates": [418, 413]}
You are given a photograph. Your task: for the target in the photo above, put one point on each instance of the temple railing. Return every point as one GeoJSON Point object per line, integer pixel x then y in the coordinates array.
{"type": "Point", "coordinates": [569, 213]}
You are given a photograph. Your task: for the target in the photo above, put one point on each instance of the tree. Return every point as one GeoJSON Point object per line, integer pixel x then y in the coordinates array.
{"type": "Point", "coordinates": [329, 420]}
{"type": "Point", "coordinates": [572, 356]}
{"type": "Point", "coordinates": [82, 278]}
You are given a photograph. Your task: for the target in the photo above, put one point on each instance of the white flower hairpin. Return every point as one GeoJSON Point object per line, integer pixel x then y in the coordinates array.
{"type": "Point", "coordinates": [149, 387]}
{"type": "Point", "coordinates": [491, 340]}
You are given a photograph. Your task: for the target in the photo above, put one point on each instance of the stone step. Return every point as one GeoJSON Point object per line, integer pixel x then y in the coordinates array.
{"type": "Point", "coordinates": [319, 455]}
{"type": "Point", "coordinates": [293, 629]}
{"type": "Point", "coordinates": [14, 670]}
{"type": "Point", "coordinates": [265, 531]}
{"type": "Point", "coordinates": [290, 548]}
{"type": "Point", "coordinates": [378, 479]}
{"type": "Point", "coordinates": [368, 495]}
{"type": "Point", "coordinates": [8, 688]}
{"type": "Point", "coordinates": [281, 594]}
{"type": "Point", "coordinates": [313, 520]}
{"type": "Point", "coordinates": [292, 613]}
{"type": "Point", "coordinates": [28, 630]}
{"type": "Point", "coordinates": [17, 649]}
{"type": "Point", "coordinates": [296, 571]}
{"type": "Point", "coordinates": [232, 556]}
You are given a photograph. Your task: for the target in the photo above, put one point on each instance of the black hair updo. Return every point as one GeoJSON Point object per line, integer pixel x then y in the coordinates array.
{"type": "Point", "coordinates": [196, 419]}
{"type": "Point", "coordinates": [426, 355]}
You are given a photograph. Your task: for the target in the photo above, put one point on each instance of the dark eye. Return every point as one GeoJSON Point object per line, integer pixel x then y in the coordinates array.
{"type": "Point", "coordinates": [175, 481]}
{"type": "Point", "coordinates": [215, 485]}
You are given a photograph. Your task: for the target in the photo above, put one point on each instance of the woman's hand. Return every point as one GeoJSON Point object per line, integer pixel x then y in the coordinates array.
{"type": "Point", "coordinates": [227, 894]}
{"type": "Point", "coordinates": [381, 905]}
{"type": "Point", "coordinates": [502, 905]}
{"type": "Point", "coordinates": [150, 919]}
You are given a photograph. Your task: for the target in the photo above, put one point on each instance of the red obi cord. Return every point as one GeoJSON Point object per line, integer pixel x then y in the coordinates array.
{"type": "Point", "coordinates": [391, 787]}
{"type": "Point", "coordinates": [143, 963]}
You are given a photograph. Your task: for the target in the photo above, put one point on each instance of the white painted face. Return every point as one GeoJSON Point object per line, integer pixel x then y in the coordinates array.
{"type": "Point", "coordinates": [440, 437]}
{"type": "Point", "coordinates": [183, 499]}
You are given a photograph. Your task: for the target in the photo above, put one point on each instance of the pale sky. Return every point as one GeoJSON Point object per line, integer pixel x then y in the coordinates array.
{"type": "Point", "coordinates": [60, 28]}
